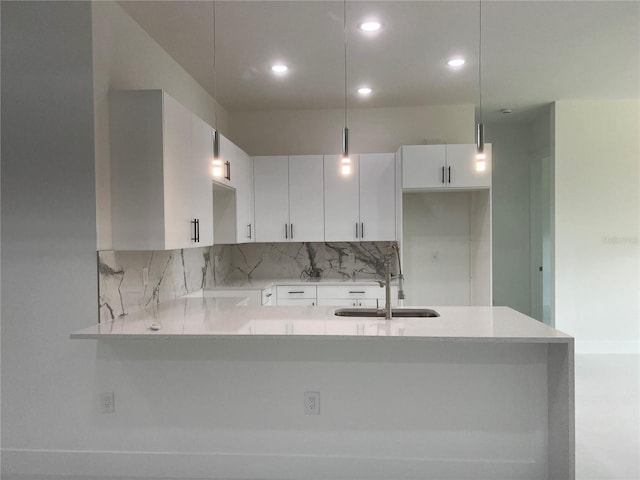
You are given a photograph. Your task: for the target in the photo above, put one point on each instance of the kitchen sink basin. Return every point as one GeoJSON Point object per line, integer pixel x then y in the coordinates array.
{"type": "Point", "coordinates": [380, 312]}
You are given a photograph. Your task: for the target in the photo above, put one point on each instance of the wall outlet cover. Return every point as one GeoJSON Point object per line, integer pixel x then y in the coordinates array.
{"type": "Point", "coordinates": [312, 403]}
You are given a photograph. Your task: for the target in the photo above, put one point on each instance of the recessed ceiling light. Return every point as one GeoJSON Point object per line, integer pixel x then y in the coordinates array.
{"type": "Point", "coordinates": [371, 26]}
{"type": "Point", "coordinates": [279, 68]}
{"type": "Point", "coordinates": [456, 62]}
{"type": "Point", "coordinates": [364, 91]}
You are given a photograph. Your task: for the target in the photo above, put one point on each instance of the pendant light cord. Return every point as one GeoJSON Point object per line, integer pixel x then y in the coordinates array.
{"type": "Point", "coordinates": [480, 60]}
{"type": "Point", "coordinates": [344, 17]}
{"type": "Point", "coordinates": [215, 102]}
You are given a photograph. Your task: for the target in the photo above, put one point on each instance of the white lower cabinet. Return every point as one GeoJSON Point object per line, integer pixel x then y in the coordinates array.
{"type": "Point", "coordinates": [355, 296]}
{"type": "Point", "coordinates": [298, 295]}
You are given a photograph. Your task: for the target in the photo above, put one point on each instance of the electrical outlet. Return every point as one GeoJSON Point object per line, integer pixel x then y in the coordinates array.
{"type": "Point", "coordinates": [312, 403]}
{"type": "Point", "coordinates": [145, 276]}
{"type": "Point", "coordinates": [107, 404]}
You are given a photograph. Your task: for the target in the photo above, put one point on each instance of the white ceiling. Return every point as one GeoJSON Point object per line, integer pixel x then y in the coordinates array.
{"type": "Point", "coordinates": [533, 52]}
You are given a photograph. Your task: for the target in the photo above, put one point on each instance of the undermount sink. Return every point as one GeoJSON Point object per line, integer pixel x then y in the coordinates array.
{"type": "Point", "coordinates": [380, 312]}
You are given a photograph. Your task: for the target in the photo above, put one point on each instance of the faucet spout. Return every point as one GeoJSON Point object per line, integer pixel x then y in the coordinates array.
{"type": "Point", "coordinates": [387, 290]}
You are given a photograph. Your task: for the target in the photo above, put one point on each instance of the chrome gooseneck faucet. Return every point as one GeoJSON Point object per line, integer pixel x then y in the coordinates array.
{"type": "Point", "coordinates": [387, 281]}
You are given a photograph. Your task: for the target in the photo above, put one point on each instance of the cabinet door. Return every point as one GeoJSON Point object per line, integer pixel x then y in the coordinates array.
{"type": "Point", "coordinates": [461, 159]}
{"type": "Point", "coordinates": [202, 191]}
{"type": "Point", "coordinates": [341, 200]}
{"type": "Point", "coordinates": [297, 302]}
{"type": "Point", "coordinates": [227, 159]}
{"type": "Point", "coordinates": [306, 199]}
{"type": "Point", "coordinates": [178, 172]}
{"type": "Point", "coordinates": [337, 302]}
{"type": "Point", "coordinates": [377, 197]}
{"type": "Point", "coordinates": [271, 190]}
{"type": "Point", "coordinates": [422, 166]}
{"type": "Point", "coordinates": [244, 197]}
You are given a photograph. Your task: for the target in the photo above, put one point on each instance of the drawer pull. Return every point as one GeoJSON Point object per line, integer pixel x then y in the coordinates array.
{"type": "Point", "coordinates": [357, 291]}
{"type": "Point", "coordinates": [297, 291]}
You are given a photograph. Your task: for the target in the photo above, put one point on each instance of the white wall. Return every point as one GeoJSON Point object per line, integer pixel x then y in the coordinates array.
{"type": "Point", "coordinates": [126, 57]}
{"type": "Point", "coordinates": [597, 261]}
{"type": "Point", "coordinates": [510, 191]}
{"type": "Point", "coordinates": [371, 130]}
{"type": "Point", "coordinates": [48, 224]}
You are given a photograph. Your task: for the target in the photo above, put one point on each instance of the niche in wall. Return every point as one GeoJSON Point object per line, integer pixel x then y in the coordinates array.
{"type": "Point", "coordinates": [446, 246]}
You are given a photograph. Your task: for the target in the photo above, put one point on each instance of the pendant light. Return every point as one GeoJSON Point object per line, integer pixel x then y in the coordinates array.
{"type": "Point", "coordinates": [218, 170]}
{"type": "Point", "coordinates": [481, 163]}
{"type": "Point", "coordinates": [345, 164]}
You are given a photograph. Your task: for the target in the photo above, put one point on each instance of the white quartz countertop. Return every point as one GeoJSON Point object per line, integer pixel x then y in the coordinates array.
{"type": "Point", "coordinates": [207, 317]}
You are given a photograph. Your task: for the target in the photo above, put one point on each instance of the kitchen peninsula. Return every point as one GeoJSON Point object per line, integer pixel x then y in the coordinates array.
{"type": "Point", "coordinates": [479, 392]}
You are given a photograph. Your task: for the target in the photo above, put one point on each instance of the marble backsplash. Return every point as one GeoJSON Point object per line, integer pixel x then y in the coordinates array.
{"type": "Point", "coordinates": [174, 273]}
{"type": "Point", "coordinates": [344, 261]}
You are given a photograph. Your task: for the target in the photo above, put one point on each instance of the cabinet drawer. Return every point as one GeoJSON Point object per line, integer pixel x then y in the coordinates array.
{"type": "Point", "coordinates": [295, 291]}
{"type": "Point", "coordinates": [351, 291]}
{"type": "Point", "coordinates": [297, 302]}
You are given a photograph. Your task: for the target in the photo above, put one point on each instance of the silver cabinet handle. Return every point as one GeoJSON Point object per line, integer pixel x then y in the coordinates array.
{"type": "Point", "coordinates": [362, 230]}
{"type": "Point", "coordinates": [449, 174]}
{"type": "Point", "coordinates": [291, 230]}
{"type": "Point", "coordinates": [194, 237]}
{"type": "Point", "coordinates": [356, 229]}
{"type": "Point", "coordinates": [249, 230]}
{"type": "Point", "coordinates": [286, 231]}
{"type": "Point", "coordinates": [443, 174]}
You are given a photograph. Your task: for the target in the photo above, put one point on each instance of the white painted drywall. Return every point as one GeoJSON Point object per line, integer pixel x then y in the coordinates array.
{"type": "Point", "coordinates": [126, 57]}
{"type": "Point", "coordinates": [510, 191]}
{"type": "Point", "coordinates": [597, 209]}
{"type": "Point", "coordinates": [436, 248]}
{"type": "Point", "coordinates": [48, 224]}
{"type": "Point", "coordinates": [371, 130]}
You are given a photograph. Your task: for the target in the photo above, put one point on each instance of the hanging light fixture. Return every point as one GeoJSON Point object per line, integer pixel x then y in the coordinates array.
{"type": "Point", "coordinates": [481, 163]}
{"type": "Point", "coordinates": [345, 164]}
{"type": "Point", "coordinates": [217, 170]}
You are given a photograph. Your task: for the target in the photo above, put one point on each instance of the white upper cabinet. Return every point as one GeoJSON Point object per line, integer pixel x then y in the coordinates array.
{"type": "Point", "coordinates": [377, 197]}
{"type": "Point", "coordinates": [201, 198]}
{"type": "Point", "coordinates": [289, 198]}
{"type": "Point", "coordinates": [161, 187]}
{"type": "Point", "coordinates": [341, 200]}
{"type": "Point", "coordinates": [360, 205]}
{"type": "Point", "coordinates": [306, 198]}
{"type": "Point", "coordinates": [244, 197]}
{"type": "Point", "coordinates": [271, 189]}
{"type": "Point", "coordinates": [223, 167]}
{"type": "Point", "coordinates": [461, 167]}
{"type": "Point", "coordinates": [443, 167]}
{"type": "Point", "coordinates": [423, 166]}
{"type": "Point", "coordinates": [233, 199]}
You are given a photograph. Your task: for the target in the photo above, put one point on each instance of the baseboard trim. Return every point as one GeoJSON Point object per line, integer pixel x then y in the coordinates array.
{"type": "Point", "coordinates": [107, 465]}
{"type": "Point", "coordinates": [607, 347]}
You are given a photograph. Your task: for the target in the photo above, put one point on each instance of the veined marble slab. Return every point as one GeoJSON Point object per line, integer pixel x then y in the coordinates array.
{"type": "Point", "coordinates": [176, 273]}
